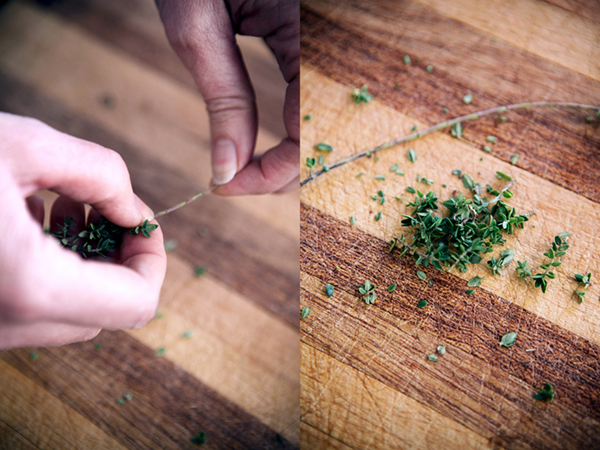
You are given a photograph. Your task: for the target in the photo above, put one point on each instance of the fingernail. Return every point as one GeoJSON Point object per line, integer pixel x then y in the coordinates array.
{"type": "Point", "coordinates": [224, 161]}
{"type": "Point", "coordinates": [144, 209]}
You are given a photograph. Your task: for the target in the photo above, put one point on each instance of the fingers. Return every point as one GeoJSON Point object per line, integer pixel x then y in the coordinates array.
{"type": "Point", "coordinates": [202, 35]}
{"type": "Point", "coordinates": [35, 205]}
{"type": "Point", "coordinates": [43, 158]}
{"type": "Point", "coordinates": [43, 335]}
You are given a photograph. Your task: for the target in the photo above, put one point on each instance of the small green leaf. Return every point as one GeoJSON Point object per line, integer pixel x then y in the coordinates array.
{"type": "Point", "coordinates": [411, 189]}
{"type": "Point", "coordinates": [307, 117]}
{"type": "Point", "coordinates": [514, 158]}
{"type": "Point", "coordinates": [199, 439]}
{"type": "Point", "coordinates": [468, 182]}
{"type": "Point", "coordinates": [412, 156]}
{"type": "Point", "coordinates": [380, 177]}
{"type": "Point", "coordinates": [491, 139]}
{"type": "Point", "coordinates": [378, 216]}
{"type": "Point", "coordinates": [432, 357]}
{"type": "Point", "coordinates": [475, 281]}
{"type": "Point", "coordinates": [352, 220]}
{"type": "Point", "coordinates": [187, 334]}
{"type": "Point", "coordinates": [128, 396]}
{"type": "Point", "coordinates": [457, 130]}
{"type": "Point", "coordinates": [508, 339]}
{"type": "Point", "coordinates": [487, 149]}
{"type": "Point", "coordinates": [391, 287]}
{"type": "Point", "coordinates": [546, 393]}
{"type": "Point", "coordinates": [441, 349]}
{"type": "Point", "coordinates": [160, 351]}
{"type": "Point", "coordinates": [470, 291]}
{"type": "Point", "coordinates": [323, 147]}
{"type": "Point", "coordinates": [421, 275]}
{"type": "Point", "coordinates": [394, 167]}
{"type": "Point", "coordinates": [422, 304]}
{"type": "Point", "coordinates": [503, 176]}
{"type": "Point", "coordinates": [406, 60]}
{"type": "Point", "coordinates": [329, 289]}
{"type": "Point", "coordinates": [199, 271]}
{"type": "Point", "coordinates": [305, 312]}
{"type": "Point", "coordinates": [429, 69]}
{"type": "Point", "coordinates": [468, 98]}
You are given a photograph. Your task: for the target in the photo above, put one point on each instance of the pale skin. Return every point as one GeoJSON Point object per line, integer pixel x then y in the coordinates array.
{"type": "Point", "coordinates": [51, 296]}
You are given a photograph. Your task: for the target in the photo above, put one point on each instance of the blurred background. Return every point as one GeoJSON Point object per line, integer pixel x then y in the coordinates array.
{"type": "Point", "coordinates": [227, 326]}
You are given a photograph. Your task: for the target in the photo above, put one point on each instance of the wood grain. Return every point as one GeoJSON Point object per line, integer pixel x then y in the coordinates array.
{"type": "Point", "coordinates": [361, 360]}
{"type": "Point", "coordinates": [86, 379]}
{"type": "Point", "coordinates": [551, 144]}
{"type": "Point", "coordinates": [340, 194]}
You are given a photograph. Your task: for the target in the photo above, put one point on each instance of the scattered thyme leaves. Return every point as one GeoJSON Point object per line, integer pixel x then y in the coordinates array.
{"type": "Point", "coordinates": [378, 216]}
{"type": "Point", "coordinates": [352, 220]}
{"type": "Point", "coordinates": [421, 275]}
{"type": "Point", "coordinates": [160, 351]}
{"type": "Point", "coordinates": [323, 147]}
{"type": "Point", "coordinates": [187, 334]}
{"type": "Point", "coordinates": [441, 349]}
{"type": "Point", "coordinates": [411, 190]}
{"type": "Point", "coordinates": [475, 281]}
{"type": "Point", "coordinates": [557, 250]}
{"type": "Point", "coordinates": [457, 130]}
{"type": "Point", "coordinates": [329, 289]}
{"type": "Point", "coordinates": [487, 149]}
{"type": "Point", "coordinates": [429, 69]}
{"type": "Point", "coordinates": [199, 271]}
{"type": "Point", "coordinates": [468, 98]}
{"type": "Point", "coordinates": [546, 393]}
{"type": "Point", "coordinates": [508, 339]}
{"type": "Point", "coordinates": [585, 281]}
{"type": "Point", "coordinates": [361, 95]}
{"type": "Point", "coordinates": [380, 177]}
{"type": "Point", "coordinates": [412, 156]}
{"type": "Point", "coordinates": [432, 357]}
{"type": "Point", "coordinates": [321, 160]}
{"type": "Point", "coordinates": [310, 163]}
{"type": "Point", "coordinates": [305, 312]}
{"type": "Point", "coordinates": [391, 287]}
{"type": "Point", "coordinates": [503, 176]}
{"type": "Point", "coordinates": [514, 158]}
{"type": "Point", "coordinates": [470, 291]}
{"type": "Point", "coordinates": [491, 139]}
{"type": "Point", "coordinates": [199, 439]}
{"type": "Point", "coordinates": [367, 291]}
{"type": "Point", "coordinates": [307, 117]}
{"type": "Point", "coordinates": [406, 60]}
{"type": "Point", "coordinates": [394, 167]}
{"type": "Point", "coordinates": [422, 304]}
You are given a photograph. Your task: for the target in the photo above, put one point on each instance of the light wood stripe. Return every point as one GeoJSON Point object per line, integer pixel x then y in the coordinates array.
{"type": "Point", "coordinates": [36, 419]}
{"type": "Point", "coordinates": [383, 419]}
{"type": "Point", "coordinates": [312, 438]}
{"type": "Point", "coordinates": [340, 194]}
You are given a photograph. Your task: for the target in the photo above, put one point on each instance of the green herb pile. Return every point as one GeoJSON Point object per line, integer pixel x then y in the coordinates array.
{"type": "Point", "coordinates": [471, 228]}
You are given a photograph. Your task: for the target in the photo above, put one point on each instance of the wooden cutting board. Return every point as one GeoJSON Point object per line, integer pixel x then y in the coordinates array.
{"type": "Point", "coordinates": [366, 381]}
{"type": "Point", "coordinates": [103, 71]}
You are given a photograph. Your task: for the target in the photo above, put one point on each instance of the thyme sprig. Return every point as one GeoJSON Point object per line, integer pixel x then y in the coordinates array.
{"type": "Point", "coordinates": [557, 250]}
{"type": "Point", "coordinates": [445, 124]}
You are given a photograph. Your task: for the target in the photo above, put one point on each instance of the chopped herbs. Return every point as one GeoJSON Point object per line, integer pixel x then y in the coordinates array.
{"type": "Point", "coordinates": [422, 304]}
{"type": "Point", "coordinates": [187, 334]}
{"type": "Point", "coordinates": [491, 139]}
{"type": "Point", "coordinates": [514, 158]}
{"type": "Point", "coordinates": [411, 190]}
{"type": "Point", "coordinates": [474, 282]}
{"type": "Point", "coordinates": [457, 172]}
{"type": "Point", "coordinates": [307, 117]}
{"type": "Point", "coordinates": [399, 199]}
{"type": "Point", "coordinates": [421, 275]}
{"type": "Point", "coordinates": [503, 176]}
{"type": "Point", "coordinates": [391, 287]}
{"type": "Point", "coordinates": [310, 163]}
{"type": "Point", "coordinates": [399, 172]}
{"type": "Point", "coordinates": [470, 291]}
{"type": "Point", "coordinates": [406, 60]}
{"type": "Point", "coordinates": [374, 197]}
{"type": "Point", "coordinates": [361, 95]}
{"type": "Point", "coordinates": [329, 289]}
{"type": "Point", "coordinates": [160, 351]}
{"type": "Point", "coordinates": [199, 271]}
{"type": "Point", "coordinates": [457, 130]}
{"type": "Point", "coordinates": [585, 281]}
{"type": "Point", "coordinates": [321, 160]}
{"type": "Point", "coordinates": [378, 216]}
{"type": "Point", "coordinates": [487, 149]}
{"type": "Point", "coordinates": [353, 220]}
{"type": "Point", "coordinates": [394, 167]}
{"type": "Point", "coordinates": [412, 156]}
{"type": "Point", "coordinates": [305, 312]}
{"type": "Point", "coordinates": [429, 69]}
{"type": "Point", "coordinates": [359, 175]}
{"type": "Point", "coordinates": [441, 349]}
{"type": "Point", "coordinates": [323, 147]}
{"type": "Point", "coordinates": [557, 251]}
{"type": "Point", "coordinates": [508, 339]}
{"type": "Point", "coordinates": [468, 98]}
{"type": "Point", "coordinates": [414, 128]}
{"type": "Point", "coordinates": [199, 439]}
{"type": "Point", "coordinates": [432, 357]}
{"type": "Point", "coordinates": [367, 291]}
{"type": "Point", "coordinates": [380, 177]}
{"type": "Point", "coordinates": [546, 393]}
{"type": "Point", "coordinates": [34, 356]}
{"type": "Point", "coordinates": [505, 258]}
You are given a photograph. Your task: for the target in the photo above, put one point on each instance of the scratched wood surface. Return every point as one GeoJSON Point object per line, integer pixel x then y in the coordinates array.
{"type": "Point", "coordinates": [366, 381]}
{"type": "Point", "coordinates": [103, 71]}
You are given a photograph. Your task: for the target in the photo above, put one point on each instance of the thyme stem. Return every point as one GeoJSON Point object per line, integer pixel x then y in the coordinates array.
{"type": "Point", "coordinates": [442, 125]}
{"type": "Point", "coordinates": [187, 202]}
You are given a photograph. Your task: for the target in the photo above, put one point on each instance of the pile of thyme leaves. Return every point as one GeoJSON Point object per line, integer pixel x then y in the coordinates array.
{"type": "Point", "coordinates": [472, 227]}
{"type": "Point", "coordinates": [97, 239]}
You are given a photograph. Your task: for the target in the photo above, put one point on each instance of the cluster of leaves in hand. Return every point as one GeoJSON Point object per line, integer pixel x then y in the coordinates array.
{"type": "Point", "coordinates": [367, 290]}
{"type": "Point", "coordinates": [586, 281]}
{"type": "Point", "coordinates": [558, 250]}
{"type": "Point", "coordinates": [472, 227]}
{"type": "Point", "coordinates": [97, 239]}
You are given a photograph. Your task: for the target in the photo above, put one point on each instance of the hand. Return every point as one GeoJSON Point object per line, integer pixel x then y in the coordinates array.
{"type": "Point", "coordinates": [50, 295]}
{"type": "Point", "coordinates": [202, 32]}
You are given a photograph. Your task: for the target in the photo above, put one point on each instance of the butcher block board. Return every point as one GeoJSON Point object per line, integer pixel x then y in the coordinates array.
{"type": "Point", "coordinates": [104, 71]}
{"type": "Point", "coordinates": [366, 381]}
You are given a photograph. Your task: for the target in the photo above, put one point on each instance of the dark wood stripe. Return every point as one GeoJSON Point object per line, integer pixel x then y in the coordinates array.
{"type": "Point", "coordinates": [472, 326]}
{"type": "Point", "coordinates": [108, 22]}
{"type": "Point", "coordinates": [169, 406]}
{"type": "Point", "coordinates": [11, 439]}
{"type": "Point", "coordinates": [584, 8]}
{"type": "Point", "coordinates": [555, 144]}
{"type": "Point", "coordinates": [232, 241]}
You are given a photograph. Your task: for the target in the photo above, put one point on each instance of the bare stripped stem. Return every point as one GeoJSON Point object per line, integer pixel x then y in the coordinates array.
{"type": "Point", "coordinates": [446, 124]}
{"type": "Point", "coordinates": [187, 202]}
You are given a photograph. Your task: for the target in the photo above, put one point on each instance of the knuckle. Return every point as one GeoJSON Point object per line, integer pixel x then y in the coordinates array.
{"type": "Point", "coordinates": [148, 313]}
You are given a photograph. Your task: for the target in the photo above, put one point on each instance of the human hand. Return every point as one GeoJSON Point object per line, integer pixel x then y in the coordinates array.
{"type": "Point", "coordinates": [50, 295]}
{"type": "Point", "coordinates": [202, 33]}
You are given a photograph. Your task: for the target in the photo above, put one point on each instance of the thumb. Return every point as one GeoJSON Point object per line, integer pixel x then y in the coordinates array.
{"type": "Point", "coordinates": [202, 35]}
